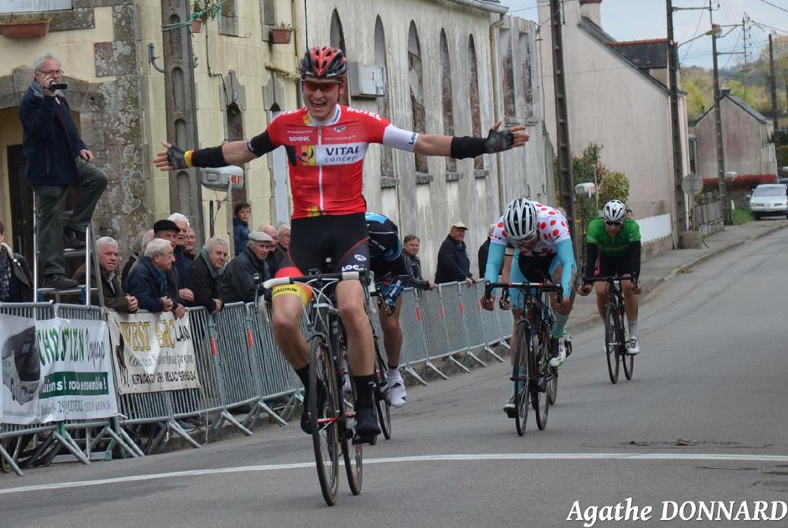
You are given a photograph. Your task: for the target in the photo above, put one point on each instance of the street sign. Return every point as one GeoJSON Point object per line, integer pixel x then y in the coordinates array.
{"type": "Point", "coordinates": [692, 184]}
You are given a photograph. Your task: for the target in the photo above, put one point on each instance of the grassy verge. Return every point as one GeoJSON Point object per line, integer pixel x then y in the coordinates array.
{"type": "Point", "coordinates": [740, 216]}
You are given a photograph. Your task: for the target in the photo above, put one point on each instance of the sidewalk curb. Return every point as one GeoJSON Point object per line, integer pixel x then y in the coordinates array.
{"type": "Point", "coordinates": [588, 322]}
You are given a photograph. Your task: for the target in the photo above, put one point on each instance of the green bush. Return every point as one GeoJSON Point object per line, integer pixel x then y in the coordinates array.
{"type": "Point", "coordinates": [740, 216]}
{"type": "Point", "coordinates": [614, 186]}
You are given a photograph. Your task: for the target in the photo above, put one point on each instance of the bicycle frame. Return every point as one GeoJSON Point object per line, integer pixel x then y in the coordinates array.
{"type": "Point", "coordinates": [616, 306]}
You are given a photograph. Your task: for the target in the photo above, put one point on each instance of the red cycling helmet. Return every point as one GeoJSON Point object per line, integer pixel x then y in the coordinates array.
{"type": "Point", "coordinates": [325, 62]}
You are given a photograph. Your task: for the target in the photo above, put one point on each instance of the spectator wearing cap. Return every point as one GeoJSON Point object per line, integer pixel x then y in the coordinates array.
{"type": "Point", "coordinates": [454, 265]}
{"type": "Point", "coordinates": [149, 280]}
{"type": "Point", "coordinates": [16, 282]}
{"type": "Point", "coordinates": [203, 275]}
{"type": "Point", "coordinates": [241, 214]}
{"type": "Point", "coordinates": [274, 257]}
{"type": "Point", "coordinates": [237, 283]}
{"type": "Point", "coordinates": [170, 231]}
{"type": "Point", "coordinates": [484, 249]}
{"type": "Point", "coordinates": [114, 296]}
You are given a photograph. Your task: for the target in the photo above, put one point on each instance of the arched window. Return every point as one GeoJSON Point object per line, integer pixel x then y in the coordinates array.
{"type": "Point", "coordinates": [507, 73]}
{"type": "Point", "coordinates": [338, 42]}
{"type": "Point", "coordinates": [447, 99]}
{"type": "Point", "coordinates": [416, 82]}
{"type": "Point", "coordinates": [386, 157]}
{"type": "Point", "coordinates": [473, 93]}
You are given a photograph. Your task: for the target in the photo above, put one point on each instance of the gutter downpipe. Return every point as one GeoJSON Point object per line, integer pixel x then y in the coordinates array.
{"type": "Point", "coordinates": [496, 101]}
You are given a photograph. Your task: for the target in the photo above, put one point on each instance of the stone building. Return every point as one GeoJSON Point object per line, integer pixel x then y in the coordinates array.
{"type": "Point", "coordinates": [138, 76]}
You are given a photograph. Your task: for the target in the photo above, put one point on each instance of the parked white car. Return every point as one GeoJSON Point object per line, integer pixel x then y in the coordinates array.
{"type": "Point", "coordinates": [769, 199]}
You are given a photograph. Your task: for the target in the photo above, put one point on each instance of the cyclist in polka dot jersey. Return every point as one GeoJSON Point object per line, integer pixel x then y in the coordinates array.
{"type": "Point", "coordinates": [539, 238]}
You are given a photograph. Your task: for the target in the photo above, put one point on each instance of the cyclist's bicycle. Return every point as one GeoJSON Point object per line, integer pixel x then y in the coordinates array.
{"type": "Point", "coordinates": [331, 416]}
{"type": "Point", "coordinates": [616, 331]}
{"type": "Point", "coordinates": [535, 381]}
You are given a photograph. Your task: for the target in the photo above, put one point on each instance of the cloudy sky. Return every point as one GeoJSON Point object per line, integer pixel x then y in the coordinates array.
{"type": "Point", "coordinates": [645, 19]}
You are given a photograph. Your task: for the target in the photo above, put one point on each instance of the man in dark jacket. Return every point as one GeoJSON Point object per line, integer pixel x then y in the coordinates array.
{"type": "Point", "coordinates": [148, 280]}
{"type": "Point", "coordinates": [16, 282]}
{"type": "Point", "coordinates": [108, 260]}
{"type": "Point", "coordinates": [203, 275]}
{"type": "Point", "coordinates": [56, 158]}
{"type": "Point", "coordinates": [453, 262]}
{"type": "Point", "coordinates": [169, 230]}
{"type": "Point", "coordinates": [237, 283]}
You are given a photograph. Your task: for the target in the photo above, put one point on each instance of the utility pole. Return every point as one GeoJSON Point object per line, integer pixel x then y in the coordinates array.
{"type": "Point", "coordinates": [562, 119]}
{"type": "Point", "coordinates": [718, 123]}
{"type": "Point", "coordinates": [180, 105]}
{"type": "Point", "coordinates": [673, 66]}
{"type": "Point", "coordinates": [744, 20]}
{"type": "Point", "coordinates": [773, 79]}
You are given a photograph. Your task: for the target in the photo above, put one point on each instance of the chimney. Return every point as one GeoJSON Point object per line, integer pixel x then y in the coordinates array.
{"type": "Point", "coordinates": [590, 9]}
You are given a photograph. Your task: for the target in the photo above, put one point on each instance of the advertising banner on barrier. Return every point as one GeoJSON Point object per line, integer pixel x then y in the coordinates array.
{"type": "Point", "coordinates": [153, 352]}
{"type": "Point", "coordinates": [55, 370]}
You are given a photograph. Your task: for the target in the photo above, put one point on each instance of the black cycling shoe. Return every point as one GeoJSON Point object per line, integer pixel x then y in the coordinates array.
{"type": "Point", "coordinates": [366, 424]}
{"type": "Point", "coordinates": [306, 424]}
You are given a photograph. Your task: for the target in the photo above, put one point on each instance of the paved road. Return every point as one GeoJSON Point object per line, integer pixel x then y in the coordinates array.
{"type": "Point", "coordinates": [712, 373]}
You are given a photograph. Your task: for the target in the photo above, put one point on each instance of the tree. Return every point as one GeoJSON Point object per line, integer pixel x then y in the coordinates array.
{"type": "Point", "coordinates": [614, 186]}
{"type": "Point", "coordinates": [780, 45]}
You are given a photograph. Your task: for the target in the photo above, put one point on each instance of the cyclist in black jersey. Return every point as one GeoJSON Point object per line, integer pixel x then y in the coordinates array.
{"type": "Point", "coordinates": [392, 274]}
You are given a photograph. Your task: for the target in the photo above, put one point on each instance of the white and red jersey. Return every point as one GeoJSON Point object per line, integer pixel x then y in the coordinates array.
{"type": "Point", "coordinates": [326, 158]}
{"type": "Point", "coordinates": [551, 229]}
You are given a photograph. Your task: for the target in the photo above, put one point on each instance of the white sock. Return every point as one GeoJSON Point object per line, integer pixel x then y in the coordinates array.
{"type": "Point", "coordinates": [633, 328]}
{"type": "Point", "coordinates": [392, 373]}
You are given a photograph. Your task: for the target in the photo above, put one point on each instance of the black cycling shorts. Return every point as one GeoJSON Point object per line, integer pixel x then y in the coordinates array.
{"type": "Point", "coordinates": [343, 238]}
{"type": "Point", "coordinates": [535, 269]}
{"type": "Point", "coordinates": [609, 266]}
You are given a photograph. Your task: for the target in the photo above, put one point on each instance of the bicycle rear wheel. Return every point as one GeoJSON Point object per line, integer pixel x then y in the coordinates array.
{"type": "Point", "coordinates": [351, 453]}
{"type": "Point", "coordinates": [628, 360]}
{"type": "Point", "coordinates": [540, 357]}
{"type": "Point", "coordinates": [522, 395]}
{"type": "Point", "coordinates": [382, 399]}
{"type": "Point", "coordinates": [324, 418]}
{"type": "Point", "coordinates": [611, 343]}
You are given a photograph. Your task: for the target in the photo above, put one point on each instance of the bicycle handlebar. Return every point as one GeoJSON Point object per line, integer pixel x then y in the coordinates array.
{"type": "Point", "coordinates": [542, 286]}
{"type": "Point", "coordinates": [345, 275]}
{"type": "Point", "coordinates": [612, 278]}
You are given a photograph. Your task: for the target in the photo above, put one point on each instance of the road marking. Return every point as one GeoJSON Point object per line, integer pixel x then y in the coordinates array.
{"type": "Point", "coordinates": [425, 458]}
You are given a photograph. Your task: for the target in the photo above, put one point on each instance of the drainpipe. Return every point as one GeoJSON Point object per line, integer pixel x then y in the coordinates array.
{"type": "Point", "coordinates": [497, 101]}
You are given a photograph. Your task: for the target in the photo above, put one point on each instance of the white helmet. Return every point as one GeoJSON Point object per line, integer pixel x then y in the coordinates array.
{"type": "Point", "coordinates": [519, 219]}
{"type": "Point", "coordinates": [614, 211]}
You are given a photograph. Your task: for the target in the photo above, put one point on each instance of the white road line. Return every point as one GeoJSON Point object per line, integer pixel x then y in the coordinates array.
{"type": "Point", "coordinates": [425, 458]}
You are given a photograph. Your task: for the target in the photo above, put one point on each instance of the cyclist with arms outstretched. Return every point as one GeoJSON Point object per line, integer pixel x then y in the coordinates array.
{"type": "Point", "coordinates": [325, 144]}
{"type": "Point", "coordinates": [613, 248]}
{"type": "Point", "coordinates": [542, 250]}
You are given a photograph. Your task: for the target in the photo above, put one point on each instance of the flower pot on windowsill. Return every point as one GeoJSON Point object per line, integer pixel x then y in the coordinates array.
{"type": "Point", "coordinates": [196, 25]}
{"type": "Point", "coordinates": [281, 35]}
{"type": "Point", "coordinates": [24, 29]}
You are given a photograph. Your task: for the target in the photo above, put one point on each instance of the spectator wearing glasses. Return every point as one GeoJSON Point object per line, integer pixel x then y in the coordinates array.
{"type": "Point", "coordinates": [56, 159]}
{"type": "Point", "coordinates": [613, 248]}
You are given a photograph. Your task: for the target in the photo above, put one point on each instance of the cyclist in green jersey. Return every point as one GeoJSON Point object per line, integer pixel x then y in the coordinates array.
{"type": "Point", "coordinates": [613, 248]}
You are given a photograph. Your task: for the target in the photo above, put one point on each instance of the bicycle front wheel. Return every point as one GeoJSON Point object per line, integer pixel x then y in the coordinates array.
{"type": "Point", "coordinates": [540, 358]}
{"type": "Point", "coordinates": [612, 342]}
{"type": "Point", "coordinates": [628, 360]}
{"type": "Point", "coordinates": [323, 408]}
{"type": "Point", "coordinates": [520, 377]}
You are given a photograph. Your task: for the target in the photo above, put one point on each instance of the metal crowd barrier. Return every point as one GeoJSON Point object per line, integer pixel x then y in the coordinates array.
{"type": "Point", "coordinates": [239, 366]}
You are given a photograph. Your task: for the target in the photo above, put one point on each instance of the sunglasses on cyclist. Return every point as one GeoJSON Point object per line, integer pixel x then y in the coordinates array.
{"type": "Point", "coordinates": [325, 87]}
{"type": "Point", "coordinates": [612, 224]}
